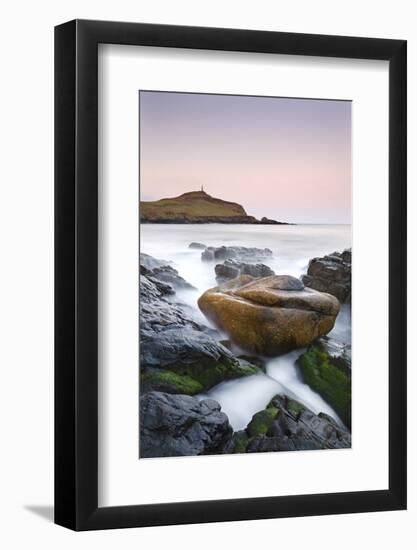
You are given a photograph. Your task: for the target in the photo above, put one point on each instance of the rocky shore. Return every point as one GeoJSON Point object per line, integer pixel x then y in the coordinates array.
{"type": "Point", "coordinates": [262, 314]}
{"type": "Point", "coordinates": [183, 219]}
{"type": "Point", "coordinates": [331, 274]}
{"type": "Point", "coordinates": [177, 353]}
{"type": "Point", "coordinates": [197, 207]}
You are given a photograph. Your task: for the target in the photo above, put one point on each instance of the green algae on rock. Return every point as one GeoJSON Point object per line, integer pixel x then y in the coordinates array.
{"type": "Point", "coordinates": [261, 421]}
{"type": "Point", "coordinates": [327, 378]}
{"type": "Point", "coordinates": [191, 379]}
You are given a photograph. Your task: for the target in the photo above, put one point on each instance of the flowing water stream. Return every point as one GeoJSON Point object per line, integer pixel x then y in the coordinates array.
{"type": "Point", "coordinates": [292, 247]}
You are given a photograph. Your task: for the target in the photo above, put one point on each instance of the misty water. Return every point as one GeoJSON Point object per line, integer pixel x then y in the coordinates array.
{"type": "Point", "coordinates": [292, 247]}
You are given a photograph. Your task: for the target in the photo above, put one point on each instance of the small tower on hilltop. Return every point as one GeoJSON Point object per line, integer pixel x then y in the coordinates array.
{"type": "Point", "coordinates": [202, 189]}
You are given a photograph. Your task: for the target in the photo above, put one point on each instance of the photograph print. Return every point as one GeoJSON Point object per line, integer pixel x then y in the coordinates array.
{"type": "Point", "coordinates": [244, 273]}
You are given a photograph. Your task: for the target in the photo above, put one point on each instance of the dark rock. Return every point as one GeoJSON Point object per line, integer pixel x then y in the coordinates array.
{"type": "Point", "coordinates": [179, 425]}
{"type": "Point", "coordinates": [197, 246]}
{"type": "Point", "coordinates": [172, 340]}
{"type": "Point", "coordinates": [169, 275]}
{"type": "Point", "coordinates": [329, 376]}
{"type": "Point", "coordinates": [340, 353]}
{"type": "Point", "coordinates": [267, 221]}
{"type": "Point", "coordinates": [159, 271]}
{"type": "Point", "coordinates": [230, 269]}
{"type": "Point", "coordinates": [262, 444]}
{"type": "Point", "coordinates": [331, 274]}
{"type": "Point", "coordinates": [286, 282]}
{"type": "Point", "coordinates": [169, 335]}
{"type": "Point", "coordinates": [151, 289]}
{"type": "Point", "coordinates": [237, 444]}
{"type": "Point", "coordinates": [153, 379]}
{"type": "Point", "coordinates": [261, 421]}
{"type": "Point", "coordinates": [227, 344]}
{"type": "Point", "coordinates": [254, 360]}
{"type": "Point", "coordinates": [286, 425]}
{"type": "Point", "coordinates": [212, 253]}
{"type": "Point", "coordinates": [145, 260]}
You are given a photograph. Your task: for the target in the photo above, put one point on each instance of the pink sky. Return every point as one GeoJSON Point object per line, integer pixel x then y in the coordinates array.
{"type": "Point", "coordinates": [287, 159]}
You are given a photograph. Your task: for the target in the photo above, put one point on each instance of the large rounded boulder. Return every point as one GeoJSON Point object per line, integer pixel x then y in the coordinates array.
{"type": "Point", "coordinates": [269, 316]}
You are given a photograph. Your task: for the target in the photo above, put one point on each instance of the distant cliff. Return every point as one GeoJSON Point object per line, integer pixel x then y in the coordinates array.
{"type": "Point", "coordinates": [197, 207]}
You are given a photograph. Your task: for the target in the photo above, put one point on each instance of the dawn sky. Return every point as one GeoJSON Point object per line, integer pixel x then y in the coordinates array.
{"type": "Point", "coordinates": [287, 159]}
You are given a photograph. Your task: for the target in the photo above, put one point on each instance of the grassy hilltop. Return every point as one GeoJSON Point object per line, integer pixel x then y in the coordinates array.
{"type": "Point", "coordinates": [196, 207]}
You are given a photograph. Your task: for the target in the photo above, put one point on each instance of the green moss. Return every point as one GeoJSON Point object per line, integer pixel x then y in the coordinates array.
{"type": "Point", "coordinates": [171, 382]}
{"type": "Point", "coordinates": [211, 375]}
{"type": "Point", "coordinates": [194, 378]}
{"type": "Point", "coordinates": [240, 441]}
{"type": "Point", "coordinates": [277, 401]}
{"type": "Point", "coordinates": [294, 407]}
{"type": "Point", "coordinates": [283, 401]}
{"type": "Point", "coordinates": [257, 361]}
{"type": "Point", "coordinates": [261, 421]}
{"type": "Point", "coordinates": [327, 379]}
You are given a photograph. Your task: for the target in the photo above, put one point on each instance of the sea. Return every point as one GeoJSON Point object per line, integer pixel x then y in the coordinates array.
{"type": "Point", "coordinates": [293, 246]}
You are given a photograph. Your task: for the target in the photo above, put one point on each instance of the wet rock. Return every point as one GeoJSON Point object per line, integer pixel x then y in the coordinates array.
{"type": "Point", "coordinates": [170, 337]}
{"type": "Point", "coordinates": [260, 362]}
{"type": "Point", "coordinates": [235, 253]}
{"type": "Point", "coordinates": [195, 377]}
{"type": "Point", "coordinates": [154, 379]}
{"type": "Point", "coordinates": [149, 262]}
{"type": "Point", "coordinates": [286, 425]}
{"type": "Point", "coordinates": [179, 425]}
{"type": "Point", "coordinates": [261, 421]}
{"type": "Point", "coordinates": [151, 289]}
{"type": "Point", "coordinates": [158, 271]}
{"type": "Point", "coordinates": [329, 376]}
{"type": "Point", "coordinates": [331, 274]}
{"type": "Point", "coordinates": [237, 444]}
{"type": "Point", "coordinates": [230, 269]}
{"type": "Point", "coordinates": [340, 353]}
{"type": "Point", "coordinates": [268, 221]}
{"type": "Point", "coordinates": [197, 246]}
{"type": "Point", "coordinates": [176, 351]}
{"type": "Point", "coordinates": [169, 275]}
{"type": "Point", "coordinates": [269, 316]}
{"type": "Point", "coordinates": [285, 282]}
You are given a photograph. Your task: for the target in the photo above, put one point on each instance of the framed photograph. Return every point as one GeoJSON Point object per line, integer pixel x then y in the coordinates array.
{"type": "Point", "coordinates": [230, 247]}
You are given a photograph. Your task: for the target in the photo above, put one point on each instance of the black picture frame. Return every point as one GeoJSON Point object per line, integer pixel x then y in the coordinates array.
{"type": "Point", "coordinates": [76, 272]}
